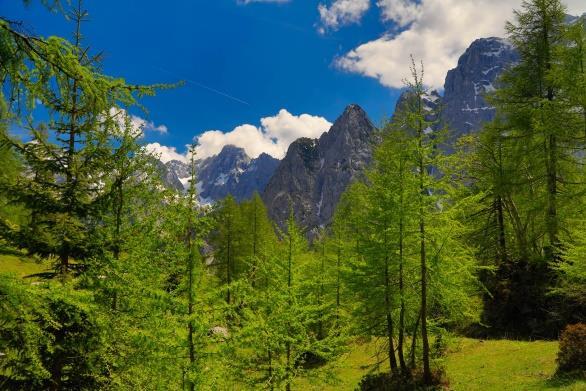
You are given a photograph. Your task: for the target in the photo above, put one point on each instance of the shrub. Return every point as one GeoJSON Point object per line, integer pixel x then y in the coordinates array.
{"type": "Point", "coordinates": [409, 382]}
{"type": "Point", "coordinates": [572, 353]}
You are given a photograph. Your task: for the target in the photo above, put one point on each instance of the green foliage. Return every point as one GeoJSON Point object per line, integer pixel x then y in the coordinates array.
{"type": "Point", "coordinates": [284, 327]}
{"type": "Point", "coordinates": [228, 241]}
{"type": "Point", "coordinates": [170, 294]}
{"type": "Point", "coordinates": [573, 271]}
{"type": "Point", "coordinates": [526, 168]}
{"type": "Point", "coordinates": [51, 338]}
{"type": "Point", "coordinates": [69, 157]}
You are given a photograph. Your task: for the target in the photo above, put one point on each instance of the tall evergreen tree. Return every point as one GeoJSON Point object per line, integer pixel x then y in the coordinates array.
{"type": "Point", "coordinates": [66, 161]}
{"type": "Point", "coordinates": [227, 243]}
{"type": "Point", "coordinates": [529, 100]}
{"type": "Point", "coordinates": [258, 236]}
{"type": "Point", "coordinates": [529, 169]}
{"type": "Point", "coordinates": [411, 271]}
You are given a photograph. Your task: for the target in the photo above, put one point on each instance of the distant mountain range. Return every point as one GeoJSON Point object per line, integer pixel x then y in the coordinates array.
{"type": "Point", "coordinates": [315, 172]}
{"type": "Point", "coordinates": [231, 171]}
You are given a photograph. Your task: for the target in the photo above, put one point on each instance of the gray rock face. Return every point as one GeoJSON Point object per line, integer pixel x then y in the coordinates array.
{"type": "Point", "coordinates": [219, 175]}
{"type": "Point", "coordinates": [168, 176]}
{"type": "Point", "coordinates": [464, 107]}
{"type": "Point", "coordinates": [315, 172]}
{"type": "Point", "coordinates": [256, 176]}
{"type": "Point", "coordinates": [432, 103]}
{"type": "Point", "coordinates": [180, 169]}
{"type": "Point", "coordinates": [232, 171]}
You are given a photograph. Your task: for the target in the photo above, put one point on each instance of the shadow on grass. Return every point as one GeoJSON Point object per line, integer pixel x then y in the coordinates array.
{"type": "Point", "coordinates": [560, 380]}
{"type": "Point", "coordinates": [7, 250]}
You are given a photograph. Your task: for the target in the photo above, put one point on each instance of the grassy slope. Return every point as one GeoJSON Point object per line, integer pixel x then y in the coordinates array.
{"type": "Point", "coordinates": [473, 365]}
{"type": "Point", "coordinates": [506, 365]}
{"type": "Point", "coordinates": [20, 265]}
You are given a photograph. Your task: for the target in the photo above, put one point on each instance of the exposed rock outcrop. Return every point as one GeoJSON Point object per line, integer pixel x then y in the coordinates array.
{"type": "Point", "coordinates": [315, 172]}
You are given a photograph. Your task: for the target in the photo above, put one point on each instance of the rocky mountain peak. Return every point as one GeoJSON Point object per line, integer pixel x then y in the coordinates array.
{"type": "Point", "coordinates": [181, 169]}
{"type": "Point", "coordinates": [315, 172]}
{"type": "Point", "coordinates": [231, 156]}
{"type": "Point", "coordinates": [353, 121]}
{"type": "Point", "coordinates": [353, 110]}
{"type": "Point", "coordinates": [465, 108]}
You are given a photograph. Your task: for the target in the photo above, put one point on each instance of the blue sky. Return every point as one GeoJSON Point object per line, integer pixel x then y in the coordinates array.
{"type": "Point", "coordinates": [267, 55]}
{"type": "Point", "coordinates": [261, 73]}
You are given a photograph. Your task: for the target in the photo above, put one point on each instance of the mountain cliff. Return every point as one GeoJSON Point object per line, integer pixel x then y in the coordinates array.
{"type": "Point", "coordinates": [464, 107]}
{"type": "Point", "coordinates": [315, 172]}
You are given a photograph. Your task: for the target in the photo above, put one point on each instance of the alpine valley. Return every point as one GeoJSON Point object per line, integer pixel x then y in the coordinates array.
{"type": "Point", "coordinates": [326, 247]}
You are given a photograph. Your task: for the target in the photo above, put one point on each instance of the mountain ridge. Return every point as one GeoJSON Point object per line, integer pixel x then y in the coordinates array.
{"type": "Point", "coordinates": [315, 172]}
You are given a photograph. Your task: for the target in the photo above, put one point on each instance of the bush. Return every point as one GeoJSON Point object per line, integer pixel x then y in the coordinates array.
{"type": "Point", "coordinates": [409, 382]}
{"type": "Point", "coordinates": [572, 353]}
{"type": "Point", "coordinates": [310, 360]}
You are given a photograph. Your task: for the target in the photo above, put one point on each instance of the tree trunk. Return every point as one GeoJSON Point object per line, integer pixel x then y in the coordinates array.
{"type": "Point", "coordinates": [289, 281]}
{"type": "Point", "coordinates": [551, 166]}
{"type": "Point", "coordinates": [424, 337]}
{"type": "Point", "coordinates": [320, 331]}
{"type": "Point", "coordinates": [229, 262]}
{"type": "Point", "coordinates": [401, 283]}
{"type": "Point", "coordinates": [414, 342]}
{"type": "Point", "coordinates": [191, 236]}
{"type": "Point", "coordinates": [254, 242]}
{"type": "Point", "coordinates": [73, 129]}
{"type": "Point", "coordinates": [338, 264]}
{"type": "Point", "coordinates": [388, 315]}
{"type": "Point", "coordinates": [552, 218]}
{"type": "Point", "coordinates": [118, 239]}
{"type": "Point", "coordinates": [502, 245]}
{"type": "Point", "coordinates": [270, 368]}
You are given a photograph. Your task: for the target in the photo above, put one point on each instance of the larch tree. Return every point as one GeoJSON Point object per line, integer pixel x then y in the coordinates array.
{"type": "Point", "coordinates": [227, 241]}
{"type": "Point", "coordinates": [530, 101]}
{"type": "Point", "coordinates": [530, 168]}
{"type": "Point", "coordinates": [66, 158]}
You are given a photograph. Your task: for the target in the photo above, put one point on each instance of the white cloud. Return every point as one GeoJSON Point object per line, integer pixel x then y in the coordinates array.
{"type": "Point", "coordinates": [575, 7]}
{"type": "Point", "coordinates": [402, 12]}
{"type": "Point", "coordinates": [437, 32]}
{"type": "Point", "coordinates": [245, 136]}
{"type": "Point", "coordinates": [342, 13]}
{"type": "Point", "coordinates": [165, 153]}
{"type": "Point", "coordinates": [148, 125]}
{"type": "Point", "coordinates": [273, 137]}
{"type": "Point", "coordinates": [139, 125]}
